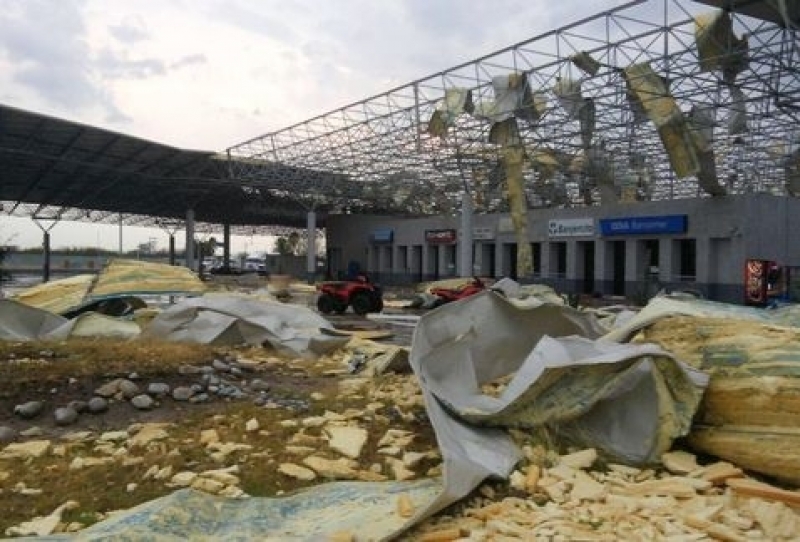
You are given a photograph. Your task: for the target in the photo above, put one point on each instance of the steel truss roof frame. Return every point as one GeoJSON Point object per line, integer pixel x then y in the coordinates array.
{"type": "Point", "coordinates": [379, 155]}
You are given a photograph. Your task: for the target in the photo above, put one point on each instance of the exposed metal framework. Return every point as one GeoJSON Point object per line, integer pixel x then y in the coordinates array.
{"type": "Point", "coordinates": [568, 98]}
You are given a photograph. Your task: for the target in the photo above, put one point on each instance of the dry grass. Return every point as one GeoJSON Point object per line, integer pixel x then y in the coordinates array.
{"type": "Point", "coordinates": [105, 488]}
{"type": "Point", "coordinates": [35, 360]}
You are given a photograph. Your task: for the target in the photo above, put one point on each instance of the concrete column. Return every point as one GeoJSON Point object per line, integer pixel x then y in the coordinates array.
{"type": "Point", "coordinates": [668, 262]}
{"type": "Point", "coordinates": [499, 258]}
{"type": "Point", "coordinates": [226, 245]}
{"type": "Point", "coordinates": [573, 261]}
{"type": "Point", "coordinates": [46, 263]}
{"type": "Point", "coordinates": [477, 264]}
{"type": "Point", "coordinates": [120, 234]}
{"type": "Point", "coordinates": [602, 271]}
{"type": "Point", "coordinates": [546, 254]}
{"type": "Point", "coordinates": [465, 243]}
{"type": "Point", "coordinates": [703, 249]}
{"type": "Point", "coordinates": [311, 253]}
{"type": "Point", "coordinates": [190, 263]}
{"type": "Point", "coordinates": [171, 249]}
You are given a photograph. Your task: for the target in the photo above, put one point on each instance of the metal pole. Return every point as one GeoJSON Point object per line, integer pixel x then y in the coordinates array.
{"type": "Point", "coordinates": [311, 253]}
{"type": "Point", "coordinates": [46, 247]}
{"type": "Point", "coordinates": [190, 239]}
{"type": "Point", "coordinates": [465, 264]}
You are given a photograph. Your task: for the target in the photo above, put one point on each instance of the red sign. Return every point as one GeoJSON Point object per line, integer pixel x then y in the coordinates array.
{"type": "Point", "coordinates": [440, 237]}
{"type": "Point", "coordinates": [755, 282]}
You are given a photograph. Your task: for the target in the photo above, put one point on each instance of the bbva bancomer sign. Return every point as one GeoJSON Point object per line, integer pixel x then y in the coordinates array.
{"type": "Point", "coordinates": [571, 227]}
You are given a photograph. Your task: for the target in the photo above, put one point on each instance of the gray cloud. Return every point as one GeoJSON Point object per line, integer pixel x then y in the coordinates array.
{"type": "Point", "coordinates": [130, 30]}
{"type": "Point", "coordinates": [118, 66]}
{"type": "Point", "coordinates": [51, 58]}
{"type": "Point", "coordinates": [189, 60]}
{"type": "Point", "coordinates": [234, 13]}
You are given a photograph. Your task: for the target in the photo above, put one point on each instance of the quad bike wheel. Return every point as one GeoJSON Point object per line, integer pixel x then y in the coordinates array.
{"type": "Point", "coordinates": [361, 302]}
{"type": "Point", "coordinates": [326, 304]}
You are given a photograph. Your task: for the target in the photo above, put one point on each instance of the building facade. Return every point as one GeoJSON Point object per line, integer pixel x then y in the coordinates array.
{"type": "Point", "coordinates": [630, 250]}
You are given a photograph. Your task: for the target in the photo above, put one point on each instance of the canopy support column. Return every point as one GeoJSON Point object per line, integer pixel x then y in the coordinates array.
{"type": "Point", "coordinates": [465, 263]}
{"type": "Point", "coordinates": [190, 263]}
{"type": "Point", "coordinates": [311, 253]}
{"type": "Point", "coordinates": [226, 246]}
{"type": "Point", "coordinates": [45, 248]}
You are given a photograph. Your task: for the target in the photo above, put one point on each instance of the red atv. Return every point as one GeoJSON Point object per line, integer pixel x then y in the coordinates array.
{"type": "Point", "coordinates": [361, 294]}
{"type": "Point", "coordinates": [446, 295]}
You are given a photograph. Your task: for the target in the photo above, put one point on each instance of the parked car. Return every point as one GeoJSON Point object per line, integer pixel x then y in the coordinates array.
{"type": "Point", "coordinates": [232, 268]}
{"type": "Point", "coordinates": [255, 265]}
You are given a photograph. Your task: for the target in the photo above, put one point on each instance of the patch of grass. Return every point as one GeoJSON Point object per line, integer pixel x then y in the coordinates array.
{"type": "Point", "coordinates": [54, 360]}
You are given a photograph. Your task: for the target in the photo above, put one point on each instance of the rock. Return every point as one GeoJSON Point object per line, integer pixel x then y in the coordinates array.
{"type": "Point", "coordinates": [128, 389]}
{"type": "Point", "coordinates": [200, 398]}
{"type": "Point", "coordinates": [347, 440]}
{"type": "Point", "coordinates": [399, 470]}
{"type": "Point", "coordinates": [34, 431]}
{"type": "Point", "coordinates": [220, 366]}
{"type": "Point", "coordinates": [147, 433]}
{"type": "Point", "coordinates": [296, 471]}
{"type": "Point", "coordinates": [158, 389]}
{"type": "Point", "coordinates": [41, 526]}
{"type": "Point", "coordinates": [78, 406]}
{"type": "Point", "coordinates": [83, 462]}
{"type": "Point", "coordinates": [412, 459]}
{"type": "Point", "coordinates": [113, 436]}
{"type": "Point", "coordinates": [583, 459]}
{"type": "Point", "coordinates": [338, 469]}
{"type": "Point", "coordinates": [396, 437]}
{"type": "Point", "coordinates": [680, 462]}
{"type": "Point", "coordinates": [109, 389]}
{"type": "Point", "coordinates": [29, 410]}
{"type": "Point", "coordinates": [224, 476]}
{"type": "Point", "coordinates": [314, 421]}
{"type": "Point", "coordinates": [259, 385]}
{"type": "Point", "coordinates": [97, 405]}
{"type": "Point", "coordinates": [7, 434]}
{"type": "Point", "coordinates": [182, 393]}
{"type": "Point", "coordinates": [207, 436]}
{"type": "Point", "coordinates": [25, 450]}
{"type": "Point", "coordinates": [131, 487]}
{"type": "Point", "coordinates": [251, 425]}
{"type": "Point", "coordinates": [207, 485]}
{"type": "Point", "coordinates": [143, 402]}
{"type": "Point", "coordinates": [65, 416]}
{"type": "Point", "coordinates": [183, 479]}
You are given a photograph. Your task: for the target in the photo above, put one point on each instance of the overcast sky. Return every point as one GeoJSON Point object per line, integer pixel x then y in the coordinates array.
{"type": "Point", "coordinates": [207, 74]}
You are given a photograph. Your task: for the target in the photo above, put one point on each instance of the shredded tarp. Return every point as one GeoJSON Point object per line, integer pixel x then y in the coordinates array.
{"type": "Point", "coordinates": [93, 324]}
{"type": "Point", "coordinates": [512, 98]}
{"type": "Point", "coordinates": [134, 277]}
{"type": "Point", "coordinates": [365, 510]}
{"type": "Point", "coordinates": [513, 162]}
{"type": "Point", "coordinates": [456, 101]}
{"type": "Point", "coordinates": [223, 319]}
{"type": "Point", "coordinates": [630, 401]}
{"type": "Point", "coordinates": [20, 322]}
{"type": "Point", "coordinates": [718, 48]}
{"type": "Point", "coordinates": [662, 306]}
{"type": "Point", "coordinates": [750, 414]}
{"type": "Point", "coordinates": [57, 296]}
{"type": "Point", "coordinates": [118, 279]}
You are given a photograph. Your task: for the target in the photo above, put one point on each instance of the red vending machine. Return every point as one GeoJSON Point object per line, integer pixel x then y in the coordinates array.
{"type": "Point", "coordinates": [756, 282]}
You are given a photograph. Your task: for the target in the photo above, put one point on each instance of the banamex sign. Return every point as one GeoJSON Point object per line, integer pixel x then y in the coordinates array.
{"type": "Point", "coordinates": [571, 227]}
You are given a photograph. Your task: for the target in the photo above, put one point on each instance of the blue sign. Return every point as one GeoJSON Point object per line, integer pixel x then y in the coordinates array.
{"type": "Point", "coordinates": [644, 225]}
{"type": "Point", "coordinates": [383, 235]}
